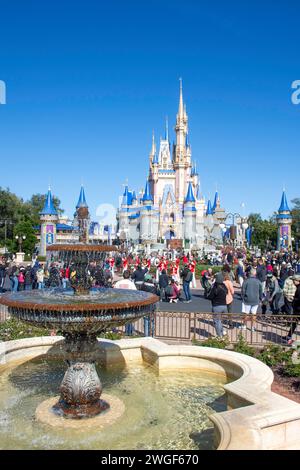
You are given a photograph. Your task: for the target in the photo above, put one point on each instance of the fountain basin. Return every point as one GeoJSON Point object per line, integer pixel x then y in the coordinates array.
{"type": "Point", "coordinates": [256, 419]}
{"type": "Point", "coordinates": [99, 310]}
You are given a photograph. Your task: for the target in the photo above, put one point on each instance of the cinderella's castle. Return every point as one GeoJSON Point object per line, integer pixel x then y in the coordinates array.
{"type": "Point", "coordinates": [172, 206]}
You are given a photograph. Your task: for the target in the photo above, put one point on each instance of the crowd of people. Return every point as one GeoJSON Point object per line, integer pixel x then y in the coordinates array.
{"type": "Point", "coordinates": [270, 282]}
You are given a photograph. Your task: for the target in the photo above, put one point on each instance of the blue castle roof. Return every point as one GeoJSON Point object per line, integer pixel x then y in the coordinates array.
{"type": "Point", "coordinates": [190, 195]}
{"type": "Point", "coordinates": [284, 204]}
{"type": "Point", "coordinates": [126, 197]}
{"type": "Point", "coordinates": [215, 201]}
{"type": "Point", "coordinates": [49, 208]}
{"type": "Point", "coordinates": [209, 210]}
{"type": "Point", "coordinates": [81, 200]}
{"type": "Point", "coordinates": [155, 159]}
{"type": "Point", "coordinates": [147, 194]}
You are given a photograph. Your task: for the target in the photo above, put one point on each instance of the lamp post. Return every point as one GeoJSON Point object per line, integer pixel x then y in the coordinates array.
{"type": "Point", "coordinates": [20, 239]}
{"type": "Point", "coordinates": [20, 254]}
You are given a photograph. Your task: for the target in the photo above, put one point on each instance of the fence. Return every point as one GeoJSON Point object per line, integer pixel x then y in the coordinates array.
{"type": "Point", "coordinates": [256, 330]}
{"type": "Point", "coordinates": [198, 326]}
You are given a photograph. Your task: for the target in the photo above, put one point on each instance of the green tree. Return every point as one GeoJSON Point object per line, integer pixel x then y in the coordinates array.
{"type": "Point", "coordinates": [296, 218]}
{"type": "Point", "coordinates": [264, 231]}
{"type": "Point", "coordinates": [26, 229]}
{"type": "Point", "coordinates": [11, 212]}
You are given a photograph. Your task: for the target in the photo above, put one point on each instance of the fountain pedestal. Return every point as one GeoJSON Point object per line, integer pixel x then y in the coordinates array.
{"type": "Point", "coordinates": [81, 388]}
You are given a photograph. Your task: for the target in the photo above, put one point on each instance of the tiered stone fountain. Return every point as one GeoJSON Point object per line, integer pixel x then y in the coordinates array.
{"type": "Point", "coordinates": [80, 314]}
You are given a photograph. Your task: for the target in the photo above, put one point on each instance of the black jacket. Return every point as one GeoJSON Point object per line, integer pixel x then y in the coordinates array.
{"type": "Point", "coordinates": [296, 301]}
{"type": "Point", "coordinates": [261, 273]}
{"type": "Point", "coordinates": [139, 274]}
{"type": "Point", "coordinates": [163, 280]}
{"type": "Point", "coordinates": [218, 294]}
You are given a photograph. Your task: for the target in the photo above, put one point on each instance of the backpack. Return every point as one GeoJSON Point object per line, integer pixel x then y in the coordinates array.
{"type": "Point", "coordinates": [188, 277]}
{"type": "Point", "coordinates": [169, 290]}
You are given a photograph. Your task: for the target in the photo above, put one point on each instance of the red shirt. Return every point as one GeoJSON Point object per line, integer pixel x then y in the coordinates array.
{"type": "Point", "coordinates": [175, 270]}
{"type": "Point", "coordinates": [193, 266]}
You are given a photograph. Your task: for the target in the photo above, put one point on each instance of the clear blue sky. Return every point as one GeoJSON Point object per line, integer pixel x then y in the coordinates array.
{"type": "Point", "coordinates": [87, 81]}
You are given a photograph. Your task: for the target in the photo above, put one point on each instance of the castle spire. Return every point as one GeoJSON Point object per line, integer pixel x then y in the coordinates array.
{"type": "Point", "coordinates": [180, 107]}
{"type": "Point", "coordinates": [147, 197]}
{"type": "Point", "coordinates": [49, 208]}
{"type": "Point", "coordinates": [81, 200]}
{"type": "Point", "coordinates": [190, 195]}
{"type": "Point", "coordinates": [167, 130]}
{"type": "Point", "coordinates": [284, 207]}
{"type": "Point", "coordinates": [216, 201]}
{"type": "Point", "coordinates": [153, 148]}
{"type": "Point", "coordinates": [209, 210]}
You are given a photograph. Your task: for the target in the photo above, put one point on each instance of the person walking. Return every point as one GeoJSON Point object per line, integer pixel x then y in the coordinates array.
{"type": "Point", "coordinates": [296, 309]}
{"type": "Point", "coordinates": [138, 276]}
{"type": "Point", "coordinates": [21, 279]}
{"type": "Point", "coordinates": [229, 298]}
{"type": "Point", "coordinates": [289, 291]}
{"type": "Point", "coordinates": [40, 278]}
{"type": "Point", "coordinates": [126, 283]}
{"type": "Point", "coordinates": [240, 273]}
{"type": "Point", "coordinates": [163, 283]}
{"type": "Point", "coordinates": [218, 296]}
{"type": "Point", "coordinates": [187, 277]}
{"type": "Point", "coordinates": [261, 273]}
{"type": "Point", "coordinates": [252, 295]}
{"type": "Point", "coordinates": [192, 266]}
{"type": "Point", "coordinates": [274, 293]}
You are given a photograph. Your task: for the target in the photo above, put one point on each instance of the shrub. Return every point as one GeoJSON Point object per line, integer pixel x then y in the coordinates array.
{"type": "Point", "coordinates": [243, 347]}
{"type": "Point", "coordinates": [15, 329]}
{"type": "Point", "coordinates": [291, 370]}
{"type": "Point", "coordinates": [273, 355]}
{"type": "Point", "coordinates": [111, 335]}
{"type": "Point", "coordinates": [220, 343]}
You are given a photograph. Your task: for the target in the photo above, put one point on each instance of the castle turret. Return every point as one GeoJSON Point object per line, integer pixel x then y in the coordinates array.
{"type": "Point", "coordinates": [82, 217]}
{"type": "Point", "coordinates": [209, 209]}
{"type": "Point", "coordinates": [190, 215]}
{"type": "Point", "coordinates": [49, 219]}
{"type": "Point", "coordinates": [284, 221]}
{"type": "Point", "coordinates": [149, 216]}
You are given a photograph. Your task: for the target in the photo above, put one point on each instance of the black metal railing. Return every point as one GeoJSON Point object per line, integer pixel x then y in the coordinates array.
{"type": "Point", "coordinates": [199, 326]}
